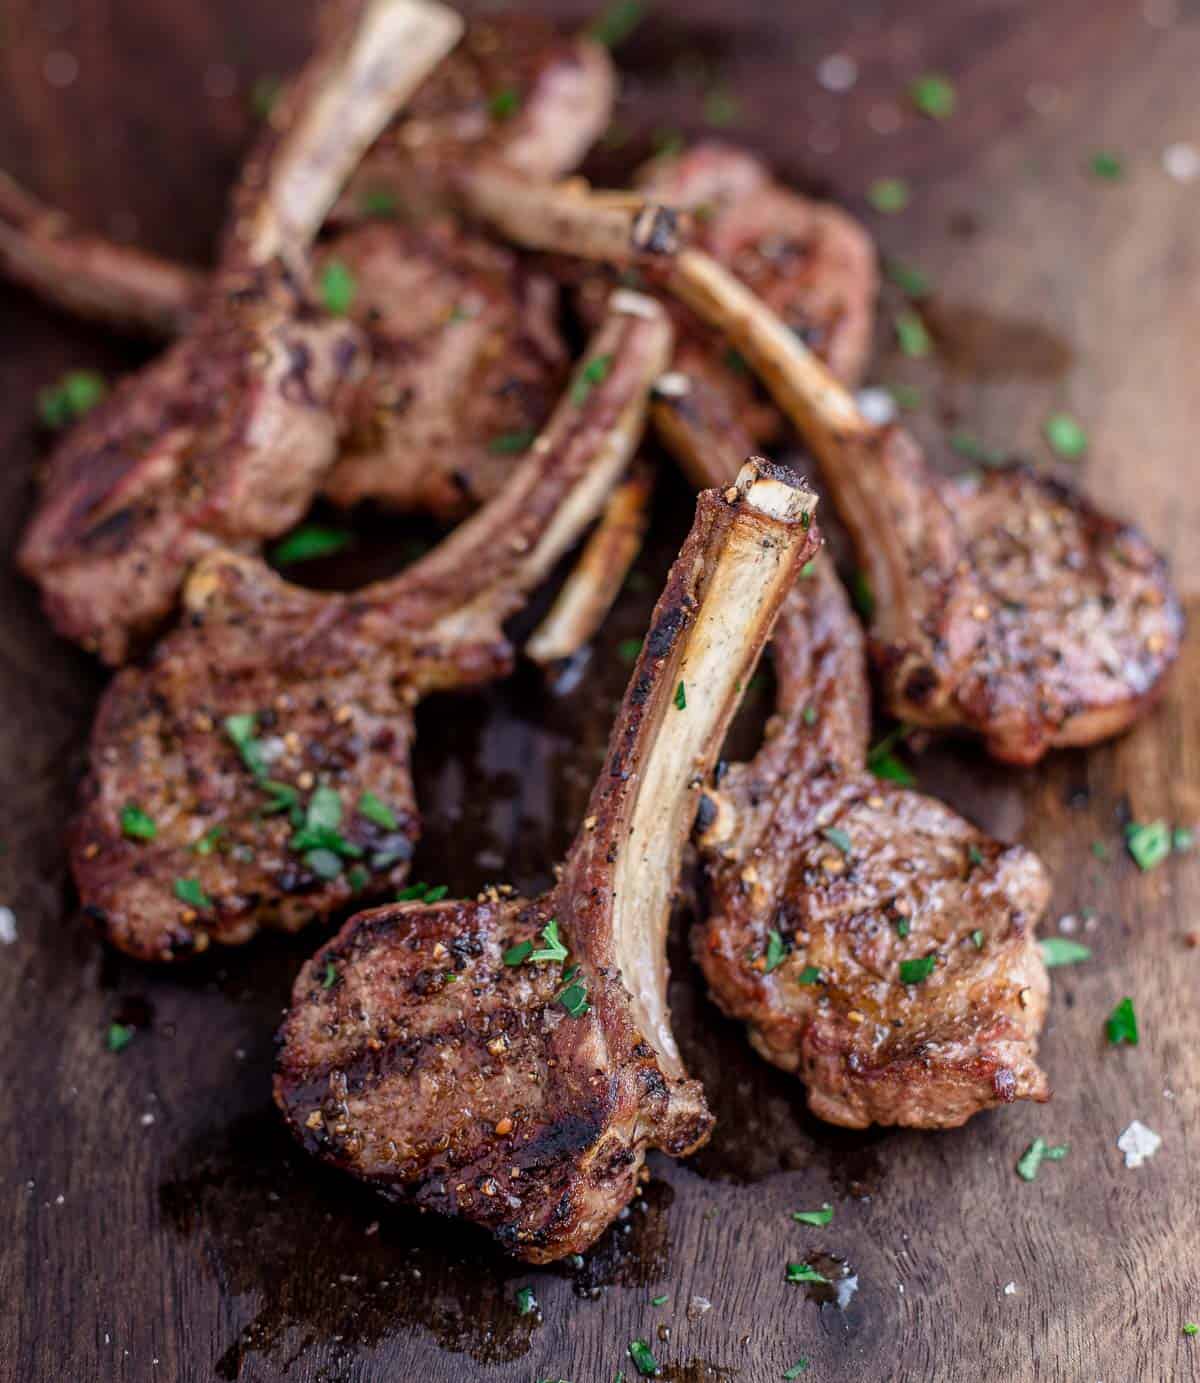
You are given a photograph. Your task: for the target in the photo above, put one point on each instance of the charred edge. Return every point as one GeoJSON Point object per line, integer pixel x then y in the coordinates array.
{"type": "Point", "coordinates": [772, 470]}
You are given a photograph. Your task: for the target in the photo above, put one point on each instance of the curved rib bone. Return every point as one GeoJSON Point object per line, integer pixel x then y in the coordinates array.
{"type": "Point", "coordinates": [255, 772]}
{"type": "Point", "coordinates": [510, 1061]}
{"type": "Point", "coordinates": [1007, 605]}
{"type": "Point", "coordinates": [227, 436]}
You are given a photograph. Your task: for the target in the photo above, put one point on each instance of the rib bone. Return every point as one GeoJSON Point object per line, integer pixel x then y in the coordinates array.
{"type": "Point", "coordinates": [321, 690]}
{"type": "Point", "coordinates": [431, 1051]}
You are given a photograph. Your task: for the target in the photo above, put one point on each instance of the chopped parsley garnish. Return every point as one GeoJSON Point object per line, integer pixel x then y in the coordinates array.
{"type": "Point", "coordinates": [526, 1301]}
{"type": "Point", "coordinates": [1061, 950]}
{"type": "Point", "coordinates": [324, 863]}
{"type": "Point", "coordinates": [573, 997]}
{"type": "Point", "coordinates": [811, 974]}
{"type": "Point", "coordinates": [284, 798]}
{"type": "Point", "coordinates": [137, 824]}
{"type": "Point", "coordinates": [888, 194]}
{"type": "Point", "coordinates": [189, 891]}
{"type": "Point", "coordinates": [911, 334]}
{"type": "Point", "coordinates": [379, 201]}
{"type": "Point", "coordinates": [883, 763]}
{"type": "Point", "coordinates": [837, 837]}
{"type": "Point", "coordinates": [1035, 1154]}
{"type": "Point", "coordinates": [974, 854]}
{"type": "Point", "coordinates": [309, 541]}
{"type": "Point", "coordinates": [518, 954]}
{"type": "Point", "coordinates": [1065, 435]}
{"type": "Point", "coordinates": [1107, 166]}
{"type": "Point", "coordinates": [616, 21]}
{"type": "Point", "coordinates": [918, 968]}
{"type": "Point", "coordinates": [1149, 844]}
{"type": "Point", "coordinates": [680, 697]}
{"type": "Point", "coordinates": [119, 1036]}
{"type": "Point", "coordinates": [1191, 1328]}
{"type": "Point", "coordinates": [818, 1218]}
{"type": "Point", "coordinates": [721, 108]}
{"type": "Point", "coordinates": [933, 95]}
{"type": "Point", "coordinates": [593, 372]}
{"type": "Point", "coordinates": [504, 104]}
{"type": "Point", "coordinates": [240, 729]}
{"type": "Point", "coordinates": [1122, 1025]}
{"type": "Point", "coordinates": [776, 951]}
{"type": "Point", "coordinates": [74, 394]}
{"type": "Point", "coordinates": [667, 143]}
{"type": "Point", "coordinates": [629, 649]}
{"type": "Point", "coordinates": [862, 595]}
{"type": "Point", "coordinates": [803, 1272]}
{"type": "Point", "coordinates": [809, 715]}
{"type": "Point", "coordinates": [967, 444]}
{"type": "Point", "coordinates": [266, 90]}
{"type": "Point", "coordinates": [512, 443]}
{"type": "Point", "coordinates": [377, 811]}
{"type": "Point", "coordinates": [319, 840]}
{"type": "Point", "coordinates": [422, 893]}
{"type": "Point", "coordinates": [643, 1359]}
{"type": "Point", "coordinates": [911, 281]}
{"type": "Point", "coordinates": [736, 361]}
{"type": "Point", "coordinates": [977, 938]}
{"type": "Point", "coordinates": [1099, 849]}
{"type": "Point", "coordinates": [329, 978]}
{"type": "Point", "coordinates": [799, 1367]}
{"type": "Point", "coordinates": [208, 841]}
{"type": "Point", "coordinates": [553, 952]}
{"type": "Point", "coordinates": [660, 1300]}
{"type": "Point", "coordinates": [338, 288]}
{"type": "Point", "coordinates": [1182, 839]}
{"type": "Point", "coordinates": [905, 395]}
{"type": "Point", "coordinates": [358, 878]}
{"type": "Point", "coordinates": [903, 926]}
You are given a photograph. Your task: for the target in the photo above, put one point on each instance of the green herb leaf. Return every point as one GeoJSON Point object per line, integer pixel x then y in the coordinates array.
{"type": "Point", "coordinates": [660, 1300]}
{"type": "Point", "coordinates": [377, 811]}
{"type": "Point", "coordinates": [119, 1036]}
{"type": "Point", "coordinates": [889, 195]}
{"type": "Point", "coordinates": [284, 798]}
{"type": "Point", "coordinates": [1065, 435]}
{"type": "Point", "coordinates": [837, 837]}
{"type": "Point", "coordinates": [680, 698]}
{"type": "Point", "coordinates": [554, 951]}
{"type": "Point", "coordinates": [933, 95]}
{"type": "Point", "coordinates": [380, 202]}
{"type": "Point", "coordinates": [883, 763]}
{"type": "Point", "coordinates": [809, 715]}
{"type": "Point", "coordinates": [1035, 1154]}
{"type": "Point", "coordinates": [1191, 1328]}
{"type": "Point", "coordinates": [818, 1218]}
{"type": "Point", "coordinates": [1182, 839]}
{"type": "Point", "coordinates": [977, 938]}
{"type": "Point", "coordinates": [917, 969]}
{"type": "Point", "coordinates": [574, 998]}
{"type": "Point", "coordinates": [1149, 844]}
{"type": "Point", "coordinates": [437, 893]}
{"type": "Point", "coordinates": [592, 372]}
{"type": "Point", "coordinates": [776, 951]}
{"type": "Point", "coordinates": [1099, 849]}
{"type": "Point", "coordinates": [309, 541]}
{"type": "Point", "coordinates": [629, 650]}
{"type": "Point", "coordinates": [512, 443]}
{"type": "Point", "coordinates": [811, 974]}
{"type": "Point", "coordinates": [423, 893]}
{"type": "Point", "coordinates": [910, 332]}
{"type": "Point", "coordinates": [912, 282]}
{"type": "Point", "coordinates": [338, 288]}
{"type": "Point", "coordinates": [516, 955]}
{"type": "Point", "coordinates": [329, 978]}
{"type": "Point", "coordinates": [1061, 950]}
{"type": "Point", "coordinates": [526, 1301]}
{"type": "Point", "coordinates": [903, 926]}
{"type": "Point", "coordinates": [803, 1272]}
{"type": "Point", "coordinates": [799, 1367]}
{"type": "Point", "coordinates": [265, 92]}
{"type": "Point", "coordinates": [905, 395]}
{"type": "Point", "coordinates": [240, 729]}
{"type": "Point", "coordinates": [967, 444]}
{"type": "Point", "coordinates": [1107, 166]}
{"type": "Point", "coordinates": [643, 1359]}
{"type": "Point", "coordinates": [862, 595]}
{"type": "Point", "coordinates": [974, 855]}
{"type": "Point", "coordinates": [325, 863]}
{"type": "Point", "coordinates": [616, 22]}
{"type": "Point", "coordinates": [358, 878]}
{"type": "Point", "coordinates": [721, 108]}
{"type": "Point", "coordinates": [504, 104]}
{"type": "Point", "coordinates": [189, 891]}
{"type": "Point", "coordinates": [137, 824]}
{"type": "Point", "coordinates": [1122, 1025]}
{"type": "Point", "coordinates": [74, 394]}
{"type": "Point", "coordinates": [736, 361]}
{"type": "Point", "coordinates": [208, 841]}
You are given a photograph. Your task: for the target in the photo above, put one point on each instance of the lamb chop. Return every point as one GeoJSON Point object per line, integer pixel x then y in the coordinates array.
{"type": "Point", "coordinates": [827, 888]}
{"type": "Point", "coordinates": [510, 1060]}
{"type": "Point", "coordinates": [1005, 604]}
{"type": "Point", "coordinates": [255, 771]}
{"type": "Point", "coordinates": [225, 438]}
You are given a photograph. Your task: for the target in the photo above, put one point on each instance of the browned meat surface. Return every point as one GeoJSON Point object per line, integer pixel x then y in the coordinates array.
{"type": "Point", "coordinates": [225, 439]}
{"type": "Point", "coordinates": [829, 889]}
{"type": "Point", "coordinates": [510, 1061]}
{"type": "Point", "coordinates": [255, 772]}
{"type": "Point", "coordinates": [466, 362]}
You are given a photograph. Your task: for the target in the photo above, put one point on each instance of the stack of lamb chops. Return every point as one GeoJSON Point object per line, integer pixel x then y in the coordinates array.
{"type": "Point", "coordinates": [1005, 606]}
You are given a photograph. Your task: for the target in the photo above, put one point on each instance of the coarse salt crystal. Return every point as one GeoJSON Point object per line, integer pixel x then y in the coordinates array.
{"type": "Point", "coordinates": [1010, 1289]}
{"type": "Point", "coordinates": [8, 926]}
{"type": "Point", "coordinates": [837, 72]}
{"type": "Point", "coordinates": [1182, 162]}
{"type": "Point", "coordinates": [1138, 1143]}
{"type": "Point", "coordinates": [876, 405]}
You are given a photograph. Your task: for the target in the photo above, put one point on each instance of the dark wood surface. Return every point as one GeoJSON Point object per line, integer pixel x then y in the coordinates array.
{"type": "Point", "coordinates": [159, 1226]}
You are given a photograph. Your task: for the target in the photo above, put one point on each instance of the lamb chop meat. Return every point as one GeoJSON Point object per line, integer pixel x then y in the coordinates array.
{"type": "Point", "coordinates": [510, 1060]}
{"type": "Point", "coordinates": [826, 887]}
{"type": "Point", "coordinates": [225, 438]}
{"type": "Point", "coordinates": [255, 771]}
{"type": "Point", "coordinates": [1005, 605]}
{"type": "Point", "coordinates": [466, 361]}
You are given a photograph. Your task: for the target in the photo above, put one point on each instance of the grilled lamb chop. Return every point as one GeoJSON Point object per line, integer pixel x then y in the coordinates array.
{"type": "Point", "coordinates": [255, 772]}
{"type": "Point", "coordinates": [510, 1060]}
{"type": "Point", "coordinates": [226, 437]}
{"type": "Point", "coordinates": [823, 882]}
{"type": "Point", "coordinates": [1005, 604]}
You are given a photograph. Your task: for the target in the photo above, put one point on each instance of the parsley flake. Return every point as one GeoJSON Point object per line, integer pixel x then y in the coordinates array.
{"type": "Point", "coordinates": [504, 104]}
{"type": "Point", "coordinates": [889, 195]}
{"type": "Point", "coordinates": [776, 951]}
{"type": "Point", "coordinates": [208, 841]}
{"type": "Point", "coordinates": [883, 763]}
{"type": "Point", "coordinates": [643, 1358]}
{"type": "Point", "coordinates": [1122, 1025]}
{"type": "Point", "coordinates": [817, 1218]}
{"type": "Point", "coordinates": [912, 282]}
{"type": "Point", "coordinates": [803, 1272]}
{"type": "Point", "coordinates": [69, 398]}
{"type": "Point", "coordinates": [241, 730]}
{"type": "Point", "coordinates": [592, 372]}
{"type": "Point", "coordinates": [977, 938]}
{"type": "Point", "coordinates": [554, 952]}
{"type": "Point", "coordinates": [377, 811]}
{"type": "Point", "coordinates": [1035, 1154]}
{"type": "Point", "coordinates": [190, 891]}
{"type": "Point", "coordinates": [811, 974]}
{"type": "Point", "coordinates": [914, 340]}
{"type": "Point", "coordinates": [1191, 1328]}
{"type": "Point", "coordinates": [660, 1300]}
{"type": "Point", "coordinates": [918, 969]}
{"type": "Point", "coordinates": [721, 108]}
{"type": "Point", "coordinates": [680, 697]}
{"type": "Point", "coordinates": [526, 1301]}
{"type": "Point", "coordinates": [628, 650]}
{"type": "Point", "coordinates": [308, 542]}
{"type": "Point", "coordinates": [516, 955]}
{"type": "Point", "coordinates": [933, 95]}
{"type": "Point", "coordinates": [329, 978]}
{"type": "Point", "coordinates": [512, 443]}
{"type": "Point", "coordinates": [119, 1036]}
{"type": "Point", "coordinates": [1061, 950]}
{"type": "Point", "coordinates": [338, 288]}
{"type": "Point", "coordinates": [837, 837]}
{"type": "Point", "coordinates": [862, 595]}
{"type": "Point", "coordinates": [1149, 844]}
{"type": "Point", "coordinates": [574, 998]}
{"type": "Point", "coordinates": [616, 22]}
{"type": "Point", "coordinates": [1065, 435]}
{"type": "Point", "coordinates": [799, 1367]}
{"type": "Point", "coordinates": [137, 824]}
{"type": "Point", "coordinates": [1106, 165]}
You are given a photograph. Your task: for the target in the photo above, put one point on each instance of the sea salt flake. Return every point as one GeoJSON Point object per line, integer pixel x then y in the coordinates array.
{"type": "Point", "coordinates": [1138, 1143]}
{"type": "Point", "coordinates": [877, 406]}
{"type": "Point", "coordinates": [837, 72]}
{"type": "Point", "coordinates": [1182, 162]}
{"type": "Point", "coordinates": [1010, 1289]}
{"type": "Point", "coordinates": [8, 926]}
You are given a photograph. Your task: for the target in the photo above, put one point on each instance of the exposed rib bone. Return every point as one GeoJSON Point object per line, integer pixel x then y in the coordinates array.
{"type": "Point", "coordinates": [432, 1051]}
{"type": "Point", "coordinates": [596, 579]}
{"type": "Point", "coordinates": [322, 686]}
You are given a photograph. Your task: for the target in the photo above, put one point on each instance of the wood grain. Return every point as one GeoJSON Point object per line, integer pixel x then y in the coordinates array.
{"type": "Point", "coordinates": [161, 1228]}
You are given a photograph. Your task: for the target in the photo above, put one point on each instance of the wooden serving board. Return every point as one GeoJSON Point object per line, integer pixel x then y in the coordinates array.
{"type": "Point", "coordinates": [159, 1225]}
